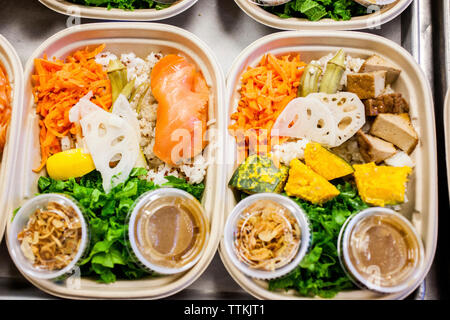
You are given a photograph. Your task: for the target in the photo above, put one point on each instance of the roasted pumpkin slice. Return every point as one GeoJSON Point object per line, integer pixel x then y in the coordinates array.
{"type": "Point", "coordinates": [306, 184]}
{"type": "Point", "coordinates": [325, 163]}
{"type": "Point", "coordinates": [259, 174]}
{"type": "Point", "coordinates": [381, 185]}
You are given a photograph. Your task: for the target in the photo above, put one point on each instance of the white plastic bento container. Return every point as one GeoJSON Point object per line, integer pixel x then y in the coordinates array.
{"type": "Point", "coordinates": [140, 38]}
{"type": "Point", "coordinates": [372, 20]}
{"type": "Point", "coordinates": [421, 208]}
{"type": "Point", "coordinates": [82, 11]}
{"type": "Point", "coordinates": [11, 62]}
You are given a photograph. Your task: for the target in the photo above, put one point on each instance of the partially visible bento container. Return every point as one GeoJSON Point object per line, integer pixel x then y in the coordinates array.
{"type": "Point", "coordinates": [380, 250]}
{"type": "Point", "coordinates": [376, 17]}
{"type": "Point", "coordinates": [167, 231]}
{"type": "Point", "coordinates": [11, 63]}
{"type": "Point", "coordinates": [70, 211]}
{"type": "Point", "coordinates": [296, 231]}
{"type": "Point", "coordinates": [84, 11]}
{"type": "Point", "coordinates": [140, 38]}
{"type": "Point", "coordinates": [447, 133]}
{"type": "Point", "coordinates": [421, 208]}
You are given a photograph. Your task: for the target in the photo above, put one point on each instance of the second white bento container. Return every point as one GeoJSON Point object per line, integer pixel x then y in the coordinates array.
{"type": "Point", "coordinates": [84, 11]}
{"type": "Point", "coordinates": [11, 62]}
{"type": "Point", "coordinates": [421, 209]}
{"type": "Point", "coordinates": [141, 39]}
{"type": "Point", "coordinates": [376, 17]}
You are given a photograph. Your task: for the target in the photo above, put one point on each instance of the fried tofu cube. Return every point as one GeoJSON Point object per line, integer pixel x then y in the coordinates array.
{"type": "Point", "coordinates": [386, 103]}
{"type": "Point", "coordinates": [367, 85]}
{"type": "Point", "coordinates": [396, 129]}
{"type": "Point", "coordinates": [376, 63]}
{"type": "Point", "coordinates": [374, 149]}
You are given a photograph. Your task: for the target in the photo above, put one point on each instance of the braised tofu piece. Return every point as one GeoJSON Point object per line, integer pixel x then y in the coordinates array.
{"type": "Point", "coordinates": [376, 63]}
{"type": "Point", "coordinates": [374, 149]}
{"type": "Point", "coordinates": [386, 103]}
{"type": "Point", "coordinates": [367, 85]}
{"type": "Point", "coordinates": [397, 129]}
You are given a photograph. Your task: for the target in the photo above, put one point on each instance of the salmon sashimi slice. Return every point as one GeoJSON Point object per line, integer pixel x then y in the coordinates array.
{"type": "Point", "coordinates": [182, 114]}
{"type": "Point", "coordinates": [5, 106]}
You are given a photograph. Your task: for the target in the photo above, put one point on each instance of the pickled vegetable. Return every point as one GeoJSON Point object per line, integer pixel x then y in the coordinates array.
{"type": "Point", "coordinates": [127, 91]}
{"type": "Point", "coordinates": [325, 163]}
{"type": "Point", "coordinates": [259, 174]}
{"type": "Point", "coordinates": [306, 184]}
{"type": "Point", "coordinates": [117, 74]}
{"type": "Point", "coordinates": [309, 83]}
{"type": "Point", "coordinates": [333, 73]}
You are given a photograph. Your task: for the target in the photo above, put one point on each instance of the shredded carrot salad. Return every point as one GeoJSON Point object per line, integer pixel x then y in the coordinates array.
{"type": "Point", "coordinates": [265, 92]}
{"type": "Point", "coordinates": [59, 85]}
{"type": "Point", "coordinates": [5, 106]}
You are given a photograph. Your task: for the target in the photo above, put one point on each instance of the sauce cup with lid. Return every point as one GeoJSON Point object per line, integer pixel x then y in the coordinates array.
{"type": "Point", "coordinates": [167, 231]}
{"type": "Point", "coordinates": [20, 222]}
{"type": "Point", "coordinates": [380, 250]}
{"type": "Point", "coordinates": [256, 205]}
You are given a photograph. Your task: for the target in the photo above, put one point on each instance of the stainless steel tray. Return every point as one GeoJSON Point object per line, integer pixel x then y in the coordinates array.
{"type": "Point", "coordinates": [227, 30]}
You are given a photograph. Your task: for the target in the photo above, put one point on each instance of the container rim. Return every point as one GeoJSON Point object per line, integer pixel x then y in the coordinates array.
{"type": "Point", "coordinates": [447, 134]}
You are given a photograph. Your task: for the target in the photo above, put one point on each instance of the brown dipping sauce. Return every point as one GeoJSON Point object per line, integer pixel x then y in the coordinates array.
{"type": "Point", "coordinates": [170, 231]}
{"type": "Point", "coordinates": [383, 250]}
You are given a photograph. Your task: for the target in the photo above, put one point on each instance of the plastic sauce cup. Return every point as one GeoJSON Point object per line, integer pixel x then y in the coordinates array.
{"type": "Point", "coordinates": [19, 223]}
{"type": "Point", "coordinates": [380, 250]}
{"type": "Point", "coordinates": [231, 231]}
{"type": "Point", "coordinates": [167, 231]}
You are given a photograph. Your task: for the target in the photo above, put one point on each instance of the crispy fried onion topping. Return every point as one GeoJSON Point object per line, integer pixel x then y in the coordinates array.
{"type": "Point", "coordinates": [268, 236]}
{"type": "Point", "coordinates": [51, 237]}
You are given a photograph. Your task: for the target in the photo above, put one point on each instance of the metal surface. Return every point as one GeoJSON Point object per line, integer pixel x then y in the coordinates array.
{"type": "Point", "coordinates": [227, 30]}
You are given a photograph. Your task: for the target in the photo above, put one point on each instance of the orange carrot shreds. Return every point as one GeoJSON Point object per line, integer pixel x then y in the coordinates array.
{"type": "Point", "coordinates": [58, 86]}
{"type": "Point", "coordinates": [5, 106]}
{"type": "Point", "coordinates": [265, 91]}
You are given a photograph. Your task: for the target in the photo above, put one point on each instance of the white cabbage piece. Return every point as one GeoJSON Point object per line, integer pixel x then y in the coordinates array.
{"type": "Point", "coordinates": [348, 112]}
{"type": "Point", "coordinates": [108, 138]}
{"type": "Point", "coordinates": [306, 118]}
{"type": "Point", "coordinates": [400, 159]}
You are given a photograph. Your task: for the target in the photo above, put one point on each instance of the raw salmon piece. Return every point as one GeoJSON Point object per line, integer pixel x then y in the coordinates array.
{"type": "Point", "coordinates": [182, 95]}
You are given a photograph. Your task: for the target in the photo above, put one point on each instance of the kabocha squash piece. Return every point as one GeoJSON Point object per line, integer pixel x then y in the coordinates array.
{"type": "Point", "coordinates": [306, 184]}
{"type": "Point", "coordinates": [381, 185]}
{"type": "Point", "coordinates": [325, 163]}
{"type": "Point", "coordinates": [259, 174]}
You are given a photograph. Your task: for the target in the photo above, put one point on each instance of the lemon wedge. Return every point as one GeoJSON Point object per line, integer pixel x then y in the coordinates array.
{"type": "Point", "coordinates": [68, 164]}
